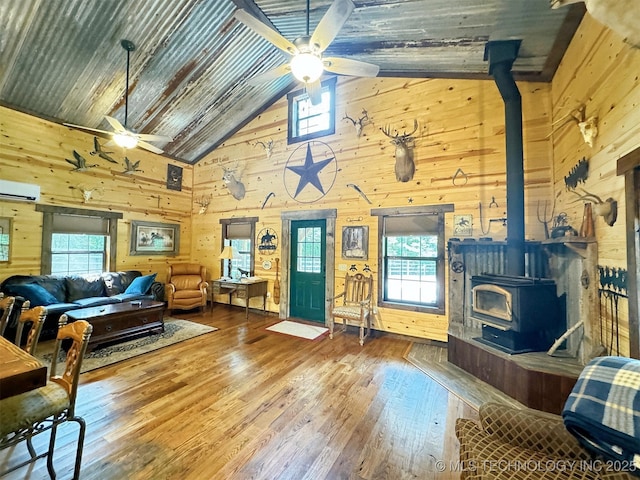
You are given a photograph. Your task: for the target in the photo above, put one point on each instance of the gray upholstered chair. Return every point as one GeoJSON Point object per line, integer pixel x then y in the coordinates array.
{"type": "Point", "coordinates": [28, 414]}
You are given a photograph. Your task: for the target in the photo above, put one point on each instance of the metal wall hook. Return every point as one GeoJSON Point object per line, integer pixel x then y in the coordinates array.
{"type": "Point", "coordinates": [460, 173]}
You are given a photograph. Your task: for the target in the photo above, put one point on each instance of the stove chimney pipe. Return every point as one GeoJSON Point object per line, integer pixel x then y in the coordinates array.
{"type": "Point", "coordinates": [501, 54]}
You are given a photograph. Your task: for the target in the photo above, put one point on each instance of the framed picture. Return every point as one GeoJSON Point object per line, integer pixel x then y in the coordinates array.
{"type": "Point", "coordinates": [148, 238]}
{"type": "Point", "coordinates": [174, 177]}
{"type": "Point", "coordinates": [355, 242]}
{"type": "Point", "coordinates": [5, 238]}
{"type": "Point", "coordinates": [462, 225]}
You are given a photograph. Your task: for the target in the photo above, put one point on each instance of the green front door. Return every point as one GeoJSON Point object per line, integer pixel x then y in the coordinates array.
{"type": "Point", "coordinates": [308, 260]}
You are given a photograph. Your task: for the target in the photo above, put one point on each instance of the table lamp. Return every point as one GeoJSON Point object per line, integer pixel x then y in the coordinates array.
{"type": "Point", "coordinates": [228, 252]}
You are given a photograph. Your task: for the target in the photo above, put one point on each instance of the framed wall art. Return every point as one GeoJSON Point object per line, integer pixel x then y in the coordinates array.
{"type": "Point", "coordinates": [149, 238]}
{"type": "Point", "coordinates": [5, 238]}
{"type": "Point", "coordinates": [355, 242]}
{"type": "Point", "coordinates": [462, 225]}
{"type": "Point", "coordinates": [174, 177]}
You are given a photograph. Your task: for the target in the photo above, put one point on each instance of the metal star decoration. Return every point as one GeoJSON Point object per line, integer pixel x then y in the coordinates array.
{"type": "Point", "coordinates": [309, 172]}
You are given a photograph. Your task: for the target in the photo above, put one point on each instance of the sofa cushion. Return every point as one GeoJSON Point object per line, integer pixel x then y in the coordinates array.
{"type": "Point", "coordinates": [95, 301]}
{"type": "Point", "coordinates": [128, 297]}
{"type": "Point", "coordinates": [36, 294]}
{"type": "Point", "coordinates": [56, 286]}
{"type": "Point", "coordinates": [84, 286]}
{"type": "Point", "coordinates": [60, 308]}
{"type": "Point", "coordinates": [141, 285]}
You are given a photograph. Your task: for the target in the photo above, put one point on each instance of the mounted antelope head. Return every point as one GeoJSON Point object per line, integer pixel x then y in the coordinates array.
{"type": "Point", "coordinates": [235, 186]}
{"type": "Point", "coordinates": [405, 166]}
{"type": "Point", "coordinates": [607, 209]}
{"type": "Point", "coordinates": [267, 147]}
{"type": "Point", "coordinates": [359, 123]}
{"type": "Point", "coordinates": [204, 203]}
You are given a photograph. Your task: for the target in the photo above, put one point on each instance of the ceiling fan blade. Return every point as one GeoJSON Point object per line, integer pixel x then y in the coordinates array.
{"type": "Point", "coordinates": [331, 23]}
{"type": "Point", "coordinates": [314, 90]}
{"type": "Point", "coordinates": [154, 138]}
{"type": "Point", "coordinates": [346, 66]}
{"type": "Point", "coordinates": [265, 31]}
{"type": "Point", "coordinates": [87, 128]}
{"type": "Point", "coordinates": [148, 146]}
{"type": "Point", "coordinates": [115, 124]}
{"type": "Point", "coordinates": [270, 75]}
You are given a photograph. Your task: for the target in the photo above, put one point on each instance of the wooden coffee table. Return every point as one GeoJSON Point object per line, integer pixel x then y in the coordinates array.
{"type": "Point", "coordinates": [120, 321]}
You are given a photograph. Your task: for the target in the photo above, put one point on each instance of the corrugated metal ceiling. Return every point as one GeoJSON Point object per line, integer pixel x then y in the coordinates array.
{"type": "Point", "coordinates": [62, 60]}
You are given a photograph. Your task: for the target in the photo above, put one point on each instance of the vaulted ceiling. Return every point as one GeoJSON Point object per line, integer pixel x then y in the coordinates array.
{"type": "Point", "coordinates": [62, 60]}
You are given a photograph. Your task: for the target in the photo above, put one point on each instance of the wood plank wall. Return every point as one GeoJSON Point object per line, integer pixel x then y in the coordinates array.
{"type": "Point", "coordinates": [461, 126]}
{"type": "Point", "coordinates": [599, 71]}
{"type": "Point", "coordinates": [34, 151]}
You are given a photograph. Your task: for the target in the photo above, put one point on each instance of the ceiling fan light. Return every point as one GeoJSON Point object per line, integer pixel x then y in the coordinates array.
{"type": "Point", "coordinates": [307, 67]}
{"type": "Point", "coordinates": [125, 140]}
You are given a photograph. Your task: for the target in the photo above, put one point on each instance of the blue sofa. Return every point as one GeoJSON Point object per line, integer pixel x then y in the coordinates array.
{"type": "Point", "coordinates": [60, 294]}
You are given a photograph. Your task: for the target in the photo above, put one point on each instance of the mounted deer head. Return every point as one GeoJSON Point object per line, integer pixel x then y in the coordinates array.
{"type": "Point", "coordinates": [204, 203]}
{"type": "Point", "coordinates": [607, 209]}
{"type": "Point", "coordinates": [359, 123]}
{"type": "Point", "coordinates": [267, 147]}
{"type": "Point", "coordinates": [235, 186]}
{"type": "Point", "coordinates": [405, 166]}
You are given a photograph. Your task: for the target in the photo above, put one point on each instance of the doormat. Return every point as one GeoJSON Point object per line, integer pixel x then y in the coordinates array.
{"type": "Point", "coordinates": [175, 331]}
{"type": "Point", "coordinates": [295, 329]}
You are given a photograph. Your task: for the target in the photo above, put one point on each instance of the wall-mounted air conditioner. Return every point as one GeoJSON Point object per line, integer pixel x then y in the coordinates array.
{"type": "Point", "coordinates": [19, 192]}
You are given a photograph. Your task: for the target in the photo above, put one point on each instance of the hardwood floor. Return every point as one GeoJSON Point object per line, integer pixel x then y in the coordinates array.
{"type": "Point", "coordinates": [245, 403]}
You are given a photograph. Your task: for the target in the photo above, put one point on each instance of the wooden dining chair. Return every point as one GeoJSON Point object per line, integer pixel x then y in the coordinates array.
{"type": "Point", "coordinates": [6, 305]}
{"type": "Point", "coordinates": [26, 415]}
{"type": "Point", "coordinates": [34, 316]}
{"type": "Point", "coordinates": [353, 305]}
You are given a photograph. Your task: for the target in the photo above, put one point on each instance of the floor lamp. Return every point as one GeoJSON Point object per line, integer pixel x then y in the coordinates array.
{"type": "Point", "coordinates": [228, 252]}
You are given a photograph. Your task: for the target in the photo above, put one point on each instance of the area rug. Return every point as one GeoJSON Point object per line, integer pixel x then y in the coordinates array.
{"type": "Point", "coordinates": [175, 331]}
{"type": "Point", "coordinates": [295, 329]}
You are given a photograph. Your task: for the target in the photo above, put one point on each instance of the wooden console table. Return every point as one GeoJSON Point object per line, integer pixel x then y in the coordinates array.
{"type": "Point", "coordinates": [245, 289]}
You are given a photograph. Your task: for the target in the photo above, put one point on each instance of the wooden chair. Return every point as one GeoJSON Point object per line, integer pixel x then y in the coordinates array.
{"type": "Point", "coordinates": [355, 306]}
{"type": "Point", "coordinates": [6, 305]}
{"type": "Point", "coordinates": [35, 316]}
{"type": "Point", "coordinates": [28, 414]}
{"type": "Point", "coordinates": [186, 287]}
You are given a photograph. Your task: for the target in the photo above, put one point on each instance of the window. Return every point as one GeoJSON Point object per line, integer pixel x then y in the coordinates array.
{"type": "Point", "coordinates": [308, 121]}
{"type": "Point", "coordinates": [240, 234]}
{"type": "Point", "coordinates": [77, 242]}
{"type": "Point", "coordinates": [5, 238]}
{"type": "Point", "coordinates": [77, 254]}
{"type": "Point", "coordinates": [411, 246]}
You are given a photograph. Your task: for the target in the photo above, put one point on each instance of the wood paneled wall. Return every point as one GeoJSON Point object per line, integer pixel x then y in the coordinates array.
{"type": "Point", "coordinates": [461, 126]}
{"type": "Point", "coordinates": [599, 71]}
{"type": "Point", "coordinates": [34, 151]}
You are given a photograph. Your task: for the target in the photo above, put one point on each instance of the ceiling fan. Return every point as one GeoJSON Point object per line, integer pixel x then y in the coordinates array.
{"type": "Point", "coordinates": [307, 63]}
{"type": "Point", "coordinates": [121, 135]}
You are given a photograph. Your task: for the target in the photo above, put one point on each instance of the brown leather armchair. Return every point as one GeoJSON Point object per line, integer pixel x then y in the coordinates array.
{"type": "Point", "coordinates": [186, 287]}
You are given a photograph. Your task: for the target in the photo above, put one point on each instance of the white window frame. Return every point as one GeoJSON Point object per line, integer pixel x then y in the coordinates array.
{"type": "Point", "coordinates": [299, 99]}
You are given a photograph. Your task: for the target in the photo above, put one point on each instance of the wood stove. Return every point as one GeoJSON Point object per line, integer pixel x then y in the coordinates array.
{"type": "Point", "coordinates": [518, 314]}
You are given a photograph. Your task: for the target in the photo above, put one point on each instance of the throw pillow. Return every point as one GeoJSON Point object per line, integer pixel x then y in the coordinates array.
{"type": "Point", "coordinates": [36, 295]}
{"type": "Point", "coordinates": [141, 285]}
